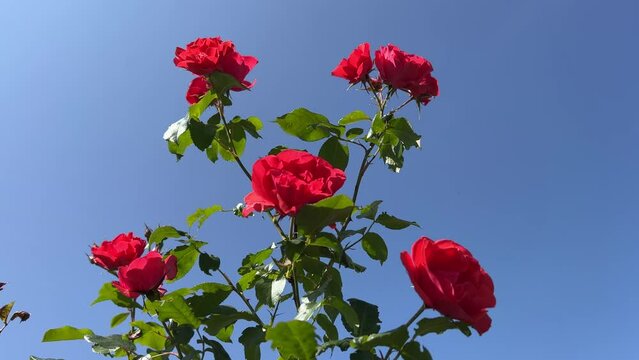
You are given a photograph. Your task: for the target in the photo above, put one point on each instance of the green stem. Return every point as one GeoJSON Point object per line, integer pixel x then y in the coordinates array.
{"type": "Point", "coordinates": [407, 324]}
{"type": "Point", "coordinates": [241, 294]}
{"type": "Point", "coordinates": [177, 346]}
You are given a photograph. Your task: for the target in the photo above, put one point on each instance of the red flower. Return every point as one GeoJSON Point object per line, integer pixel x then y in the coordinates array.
{"type": "Point", "coordinates": [117, 252]}
{"type": "Point", "coordinates": [357, 66]}
{"type": "Point", "coordinates": [205, 56]}
{"type": "Point", "coordinates": [407, 72]}
{"type": "Point", "coordinates": [198, 87]}
{"type": "Point", "coordinates": [289, 180]}
{"type": "Point", "coordinates": [450, 280]}
{"type": "Point", "coordinates": [145, 275]}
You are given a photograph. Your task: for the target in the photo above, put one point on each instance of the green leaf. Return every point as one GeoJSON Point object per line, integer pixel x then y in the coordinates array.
{"type": "Point", "coordinates": [119, 319]}
{"type": "Point", "coordinates": [223, 82]}
{"type": "Point", "coordinates": [251, 338]}
{"type": "Point", "coordinates": [304, 124]}
{"type": "Point", "coordinates": [393, 223]}
{"type": "Point", "coordinates": [362, 355]}
{"type": "Point", "coordinates": [196, 110]}
{"type": "Point", "coordinates": [353, 133]}
{"type": "Point", "coordinates": [414, 351]}
{"type": "Point", "coordinates": [349, 316]}
{"type": "Point", "coordinates": [251, 261]}
{"type": "Point", "coordinates": [182, 333]}
{"type": "Point", "coordinates": [269, 292]}
{"type": "Point", "coordinates": [375, 246]}
{"type": "Point", "coordinates": [164, 232]}
{"type": "Point", "coordinates": [213, 151]}
{"type": "Point", "coordinates": [65, 333]}
{"type": "Point", "coordinates": [109, 344]}
{"type": "Point", "coordinates": [293, 339]}
{"type": "Point", "coordinates": [276, 150]}
{"type": "Point", "coordinates": [238, 138]}
{"type": "Point", "coordinates": [369, 211]}
{"type": "Point", "coordinates": [367, 316]}
{"type": "Point", "coordinates": [225, 334]}
{"type": "Point", "coordinates": [219, 353]}
{"type": "Point", "coordinates": [153, 335]}
{"type": "Point", "coordinates": [251, 125]}
{"type": "Point", "coordinates": [227, 316]}
{"type": "Point", "coordinates": [209, 263]}
{"type": "Point", "coordinates": [108, 292]}
{"type": "Point", "coordinates": [335, 153]}
{"type": "Point", "coordinates": [439, 325]}
{"type": "Point", "coordinates": [393, 339]}
{"type": "Point", "coordinates": [353, 117]}
{"type": "Point", "coordinates": [174, 307]}
{"type": "Point", "coordinates": [202, 134]}
{"type": "Point", "coordinates": [201, 215]}
{"type": "Point", "coordinates": [5, 311]}
{"type": "Point", "coordinates": [379, 123]}
{"type": "Point", "coordinates": [400, 127]}
{"type": "Point", "coordinates": [179, 148]}
{"type": "Point", "coordinates": [327, 325]}
{"type": "Point", "coordinates": [213, 295]}
{"type": "Point", "coordinates": [314, 217]}
{"type": "Point", "coordinates": [186, 256]}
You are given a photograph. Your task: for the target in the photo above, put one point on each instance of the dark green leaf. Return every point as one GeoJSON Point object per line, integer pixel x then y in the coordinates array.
{"type": "Point", "coordinates": [238, 138]}
{"type": "Point", "coordinates": [414, 351]}
{"type": "Point", "coordinates": [223, 82]}
{"type": "Point", "coordinates": [353, 133]}
{"type": "Point", "coordinates": [393, 223]}
{"type": "Point", "coordinates": [335, 153]}
{"type": "Point", "coordinates": [182, 334]}
{"type": "Point", "coordinates": [269, 291]}
{"type": "Point", "coordinates": [250, 261]}
{"type": "Point", "coordinates": [314, 217]}
{"type": "Point", "coordinates": [251, 125]}
{"type": "Point", "coordinates": [375, 247]}
{"type": "Point", "coordinates": [353, 117]}
{"type": "Point", "coordinates": [209, 263]}
{"type": "Point", "coordinates": [219, 353]}
{"type": "Point", "coordinates": [367, 316]}
{"type": "Point", "coordinates": [65, 333]}
{"type": "Point", "coordinates": [327, 325]}
{"type": "Point", "coordinates": [362, 355]}
{"type": "Point", "coordinates": [349, 316]}
{"type": "Point", "coordinates": [400, 127]}
{"type": "Point", "coordinates": [293, 339]}
{"type": "Point", "coordinates": [251, 338]}
{"type": "Point", "coordinates": [304, 124]}
{"type": "Point", "coordinates": [227, 317]}
{"type": "Point", "coordinates": [202, 134]}
{"type": "Point", "coordinates": [119, 319]}
{"type": "Point", "coordinates": [276, 150]}
{"type": "Point", "coordinates": [439, 325]}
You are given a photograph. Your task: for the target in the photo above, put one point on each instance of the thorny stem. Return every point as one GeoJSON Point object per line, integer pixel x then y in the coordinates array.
{"type": "Point", "coordinates": [408, 323]}
{"type": "Point", "coordinates": [241, 294]}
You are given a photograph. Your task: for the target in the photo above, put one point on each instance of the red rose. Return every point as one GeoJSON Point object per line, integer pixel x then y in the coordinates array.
{"type": "Point", "coordinates": [208, 55]}
{"type": "Point", "coordinates": [289, 180]}
{"type": "Point", "coordinates": [145, 275]}
{"type": "Point", "coordinates": [407, 72]}
{"type": "Point", "coordinates": [450, 280]}
{"type": "Point", "coordinates": [357, 66]}
{"type": "Point", "coordinates": [198, 87]}
{"type": "Point", "coordinates": [117, 252]}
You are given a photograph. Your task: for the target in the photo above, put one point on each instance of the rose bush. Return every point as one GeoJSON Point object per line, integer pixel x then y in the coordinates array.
{"type": "Point", "coordinates": [289, 180]}
{"type": "Point", "coordinates": [290, 293]}
{"type": "Point", "coordinates": [117, 252]}
{"type": "Point", "coordinates": [143, 276]}
{"type": "Point", "coordinates": [450, 280]}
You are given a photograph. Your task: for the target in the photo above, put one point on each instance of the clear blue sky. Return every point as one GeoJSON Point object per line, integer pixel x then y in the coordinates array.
{"type": "Point", "coordinates": [529, 155]}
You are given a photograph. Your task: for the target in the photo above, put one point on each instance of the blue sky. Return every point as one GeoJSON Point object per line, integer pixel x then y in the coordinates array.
{"type": "Point", "coordinates": [529, 155]}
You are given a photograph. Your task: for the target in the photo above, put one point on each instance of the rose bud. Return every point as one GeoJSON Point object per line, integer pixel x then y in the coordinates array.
{"type": "Point", "coordinates": [117, 252]}
{"type": "Point", "coordinates": [143, 276]}
{"type": "Point", "coordinates": [289, 180]}
{"type": "Point", "coordinates": [450, 280]}
{"type": "Point", "coordinates": [198, 88]}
